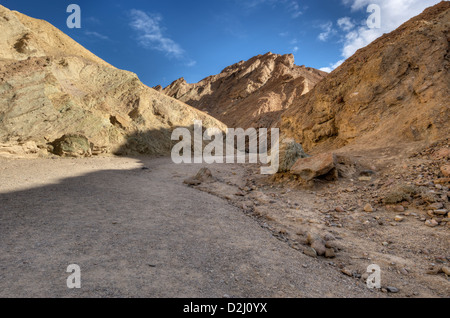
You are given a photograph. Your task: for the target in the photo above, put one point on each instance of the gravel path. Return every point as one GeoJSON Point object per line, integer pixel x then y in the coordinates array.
{"type": "Point", "coordinates": [141, 233]}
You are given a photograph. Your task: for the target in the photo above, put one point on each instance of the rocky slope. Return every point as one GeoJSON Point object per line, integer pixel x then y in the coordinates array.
{"type": "Point", "coordinates": [393, 91]}
{"type": "Point", "coordinates": [51, 87]}
{"type": "Point", "coordinates": [250, 93]}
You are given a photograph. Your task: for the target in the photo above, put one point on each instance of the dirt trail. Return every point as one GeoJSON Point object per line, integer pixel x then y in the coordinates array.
{"type": "Point", "coordinates": [142, 233]}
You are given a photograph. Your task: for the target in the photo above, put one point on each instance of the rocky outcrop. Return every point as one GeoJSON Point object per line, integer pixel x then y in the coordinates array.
{"type": "Point", "coordinates": [250, 93]}
{"type": "Point", "coordinates": [395, 90]}
{"type": "Point", "coordinates": [51, 87]}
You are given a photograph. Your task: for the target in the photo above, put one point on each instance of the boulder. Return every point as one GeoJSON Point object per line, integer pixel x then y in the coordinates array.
{"type": "Point", "coordinates": [316, 166]}
{"type": "Point", "coordinates": [72, 146]}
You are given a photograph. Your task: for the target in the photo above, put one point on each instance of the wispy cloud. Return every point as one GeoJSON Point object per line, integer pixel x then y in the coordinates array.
{"type": "Point", "coordinates": [191, 63]}
{"type": "Point", "coordinates": [292, 6]}
{"type": "Point", "coordinates": [151, 36]}
{"type": "Point", "coordinates": [393, 14]}
{"type": "Point", "coordinates": [295, 9]}
{"type": "Point", "coordinates": [328, 31]}
{"type": "Point", "coordinates": [96, 35]}
{"type": "Point", "coordinates": [345, 24]}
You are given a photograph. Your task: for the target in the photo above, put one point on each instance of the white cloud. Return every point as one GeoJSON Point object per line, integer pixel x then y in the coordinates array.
{"type": "Point", "coordinates": [295, 9]}
{"type": "Point", "coordinates": [345, 24]}
{"type": "Point", "coordinates": [330, 68]}
{"type": "Point", "coordinates": [295, 49]}
{"type": "Point", "coordinates": [393, 14]}
{"type": "Point", "coordinates": [151, 34]}
{"type": "Point", "coordinates": [327, 31]}
{"type": "Point", "coordinates": [191, 63]}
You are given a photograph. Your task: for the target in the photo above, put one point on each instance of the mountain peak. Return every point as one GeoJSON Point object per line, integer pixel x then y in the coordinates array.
{"type": "Point", "coordinates": [249, 93]}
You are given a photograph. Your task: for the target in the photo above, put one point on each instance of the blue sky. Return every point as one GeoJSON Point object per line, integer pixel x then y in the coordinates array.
{"type": "Point", "coordinates": [162, 41]}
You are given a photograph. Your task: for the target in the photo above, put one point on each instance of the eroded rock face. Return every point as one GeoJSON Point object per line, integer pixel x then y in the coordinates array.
{"type": "Point", "coordinates": [394, 90]}
{"type": "Point", "coordinates": [50, 86]}
{"type": "Point", "coordinates": [250, 93]}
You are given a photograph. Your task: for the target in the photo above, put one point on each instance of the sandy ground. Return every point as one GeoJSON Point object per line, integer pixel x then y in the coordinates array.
{"type": "Point", "coordinates": [143, 233]}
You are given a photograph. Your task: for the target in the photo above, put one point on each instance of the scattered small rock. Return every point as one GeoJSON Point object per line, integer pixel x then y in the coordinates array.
{"type": "Point", "coordinates": [446, 270]}
{"type": "Point", "coordinates": [435, 270]}
{"type": "Point", "coordinates": [192, 182]}
{"type": "Point", "coordinates": [445, 169]}
{"type": "Point", "coordinates": [347, 272]}
{"type": "Point", "coordinates": [435, 206]}
{"type": "Point", "coordinates": [317, 243]}
{"type": "Point", "coordinates": [368, 208]}
{"type": "Point", "coordinates": [310, 251]}
{"type": "Point", "coordinates": [441, 212]}
{"type": "Point", "coordinates": [329, 253]}
{"type": "Point", "coordinates": [393, 290]}
{"type": "Point", "coordinates": [431, 223]}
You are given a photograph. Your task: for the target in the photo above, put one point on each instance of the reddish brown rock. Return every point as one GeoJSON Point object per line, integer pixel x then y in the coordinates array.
{"type": "Point", "coordinates": [445, 169]}
{"type": "Point", "coordinates": [316, 166]}
{"type": "Point", "coordinates": [250, 93]}
{"type": "Point", "coordinates": [442, 153]}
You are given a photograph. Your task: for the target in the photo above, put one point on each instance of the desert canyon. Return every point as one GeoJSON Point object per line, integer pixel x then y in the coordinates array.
{"type": "Point", "coordinates": [86, 175]}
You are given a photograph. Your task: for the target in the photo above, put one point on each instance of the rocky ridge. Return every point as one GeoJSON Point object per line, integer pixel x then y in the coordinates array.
{"type": "Point", "coordinates": [250, 93]}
